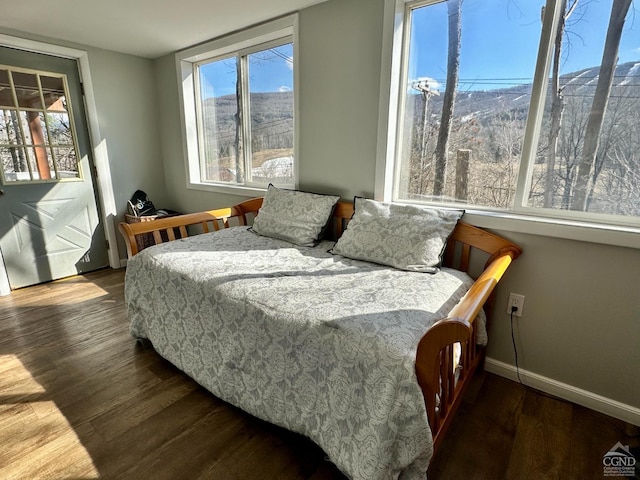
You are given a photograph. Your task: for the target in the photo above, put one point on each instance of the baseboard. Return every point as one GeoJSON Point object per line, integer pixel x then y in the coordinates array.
{"type": "Point", "coordinates": [123, 262]}
{"type": "Point", "coordinates": [576, 395]}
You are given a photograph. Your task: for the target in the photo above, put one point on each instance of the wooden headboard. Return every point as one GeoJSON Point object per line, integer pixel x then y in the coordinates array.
{"type": "Point", "coordinates": [463, 240]}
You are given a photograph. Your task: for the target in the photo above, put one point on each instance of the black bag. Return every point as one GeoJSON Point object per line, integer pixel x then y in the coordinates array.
{"type": "Point", "coordinates": [140, 205]}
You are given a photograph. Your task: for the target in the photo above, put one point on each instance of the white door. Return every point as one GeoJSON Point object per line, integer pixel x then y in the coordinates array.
{"type": "Point", "coordinates": [50, 225]}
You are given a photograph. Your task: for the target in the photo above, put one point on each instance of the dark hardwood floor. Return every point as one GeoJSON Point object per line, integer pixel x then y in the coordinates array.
{"type": "Point", "coordinates": [80, 399]}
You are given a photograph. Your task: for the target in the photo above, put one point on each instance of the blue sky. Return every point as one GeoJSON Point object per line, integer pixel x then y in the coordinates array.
{"type": "Point", "coordinates": [269, 71]}
{"type": "Point", "coordinates": [499, 46]}
{"type": "Point", "coordinates": [500, 40]}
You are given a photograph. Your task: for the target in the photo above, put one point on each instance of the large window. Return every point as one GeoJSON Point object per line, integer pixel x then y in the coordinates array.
{"type": "Point", "coordinates": [242, 113]}
{"type": "Point", "coordinates": [504, 108]}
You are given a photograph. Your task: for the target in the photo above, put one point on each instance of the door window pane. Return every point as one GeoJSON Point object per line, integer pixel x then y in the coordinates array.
{"type": "Point", "coordinates": [30, 123]}
{"type": "Point", "coordinates": [14, 163]}
{"type": "Point", "coordinates": [6, 98]}
{"type": "Point", "coordinates": [60, 128]}
{"type": "Point", "coordinates": [53, 93]}
{"type": "Point", "coordinates": [27, 90]}
{"type": "Point", "coordinates": [66, 161]}
{"type": "Point", "coordinates": [38, 119]}
{"type": "Point", "coordinates": [7, 126]}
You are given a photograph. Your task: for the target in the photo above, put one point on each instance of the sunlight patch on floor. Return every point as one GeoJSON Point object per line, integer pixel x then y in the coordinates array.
{"type": "Point", "coordinates": [36, 439]}
{"type": "Point", "coordinates": [15, 379]}
{"type": "Point", "coordinates": [50, 294]}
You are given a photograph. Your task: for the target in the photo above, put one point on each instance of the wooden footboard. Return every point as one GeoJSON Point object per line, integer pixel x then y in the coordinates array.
{"type": "Point", "coordinates": [441, 375]}
{"type": "Point", "coordinates": [443, 379]}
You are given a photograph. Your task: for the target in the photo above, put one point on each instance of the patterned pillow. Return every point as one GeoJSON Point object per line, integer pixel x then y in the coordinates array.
{"type": "Point", "coordinates": [294, 216]}
{"type": "Point", "coordinates": [401, 236]}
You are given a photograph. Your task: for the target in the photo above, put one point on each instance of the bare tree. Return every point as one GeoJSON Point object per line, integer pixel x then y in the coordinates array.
{"type": "Point", "coordinates": [448, 101]}
{"type": "Point", "coordinates": [494, 176]}
{"type": "Point", "coordinates": [17, 154]}
{"type": "Point", "coordinates": [427, 88]}
{"type": "Point", "coordinates": [557, 106]}
{"type": "Point", "coordinates": [584, 179]}
{"type": "Point", "coordinates": [570, 148]}
{"type": "Point", "coordinates": [616, 184]}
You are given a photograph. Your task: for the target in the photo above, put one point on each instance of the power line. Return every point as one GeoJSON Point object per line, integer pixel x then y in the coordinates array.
{"type": "Point", "coordinates": [281, 55]}
{"type": "Point", "coordinates": [526, 79]}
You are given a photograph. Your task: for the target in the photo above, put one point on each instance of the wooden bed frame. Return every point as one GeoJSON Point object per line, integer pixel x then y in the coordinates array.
{"type": "Point", "coordinates": [442, 383]}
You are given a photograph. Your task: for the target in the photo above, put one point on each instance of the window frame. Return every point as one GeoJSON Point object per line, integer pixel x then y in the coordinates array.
{"type": "Point", "coordinates": [585, 226]}
{"type": "Point", "coordinates": [277, 32]}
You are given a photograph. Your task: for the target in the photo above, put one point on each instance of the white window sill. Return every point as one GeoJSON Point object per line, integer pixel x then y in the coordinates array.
{"type": "Point", "coordinates": [620, 236]}
{"type": "Point", "coordinates": [240, 190]}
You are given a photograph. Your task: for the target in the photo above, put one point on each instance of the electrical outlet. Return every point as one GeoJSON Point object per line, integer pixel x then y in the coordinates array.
{"type": "Point", "coordinates": [517, 301]}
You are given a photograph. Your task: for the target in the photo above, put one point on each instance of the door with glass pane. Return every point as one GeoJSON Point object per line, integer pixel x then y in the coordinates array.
{"type": "Point", "coordinates": [49, 222]}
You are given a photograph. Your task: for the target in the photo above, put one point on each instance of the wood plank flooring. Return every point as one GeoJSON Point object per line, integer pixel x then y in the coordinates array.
{"type": "Point", "coordinates": [80, 399]}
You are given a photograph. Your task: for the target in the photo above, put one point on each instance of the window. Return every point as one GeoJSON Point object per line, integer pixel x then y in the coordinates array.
{"type": "Point", "coordinates": [503, 109]}
{"type": "Point", "coordinates": [239, 107]}
{"type": "Point", "coordinates": [36, 132]}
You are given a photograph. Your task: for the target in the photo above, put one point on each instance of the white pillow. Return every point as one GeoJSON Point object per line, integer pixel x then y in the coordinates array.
{"type": "Point", "coordinates": [401, 236]}
{"type": "Point", "coordinates": [294, 216]}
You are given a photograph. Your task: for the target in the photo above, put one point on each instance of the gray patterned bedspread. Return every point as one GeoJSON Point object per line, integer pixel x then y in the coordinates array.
{"type": "Point", "coordinates": [316, 343]}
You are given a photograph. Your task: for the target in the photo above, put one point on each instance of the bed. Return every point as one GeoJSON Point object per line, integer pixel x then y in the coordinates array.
{"type": "Point", "coordinates": [352, 354]}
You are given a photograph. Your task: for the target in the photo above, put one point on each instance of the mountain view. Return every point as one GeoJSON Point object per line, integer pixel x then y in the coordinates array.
{"type": "Point", "coordinates": [483, 104]}
{"type": "Point", "coordinates": [271, 113]}
{"type": "Point", "coordinates": [488, 128]}
{"type": "Point", "coordinates": [489, 125]}
{"type": "Point", "coordinates": [268, 110]}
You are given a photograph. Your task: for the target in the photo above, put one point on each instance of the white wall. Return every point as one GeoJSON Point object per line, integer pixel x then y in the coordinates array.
{"type": "Point", "coordinates": [127, 103]}
{"type": "Point", "coordinates": [340, 43]}
{"type": "Point", "coordinates": [581, 322]}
